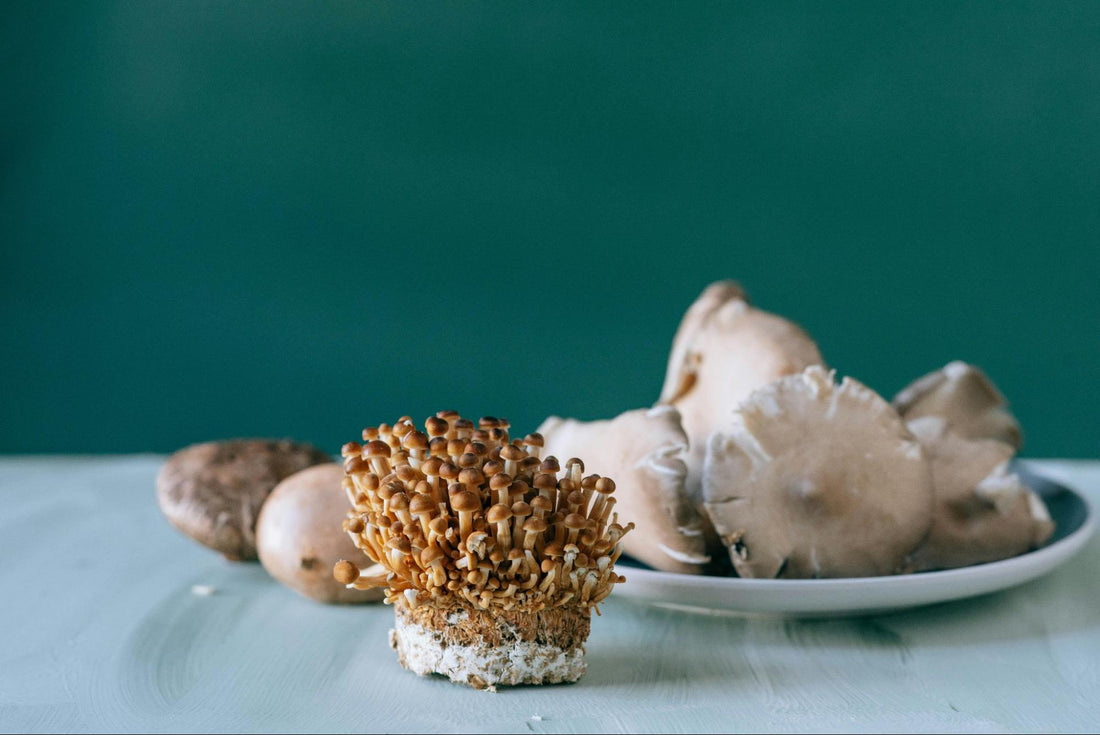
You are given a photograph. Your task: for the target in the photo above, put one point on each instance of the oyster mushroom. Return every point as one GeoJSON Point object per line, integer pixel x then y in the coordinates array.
{"type": "Point", "coordinates": [723, 350]}
{"type": "Point", "coordinates": [644, 450]}
{"type": "Point", "coordinates": [966, 399]}
{"type": "Point", "coordinates": [817, 480]}
{"type": "Point", "coordinates": [983, 512]}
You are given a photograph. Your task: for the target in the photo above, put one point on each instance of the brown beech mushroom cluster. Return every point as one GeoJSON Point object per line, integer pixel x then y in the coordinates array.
{"type": "Point", "coordinates": [492, 554]}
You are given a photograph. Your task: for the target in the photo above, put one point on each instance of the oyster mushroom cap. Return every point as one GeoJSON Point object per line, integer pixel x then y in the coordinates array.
{"type": "Point", "coordinates": [643, 450]}
{"type": "Point", "coordinates": [817, 480]}
{"type": "Point", "coordinates": [966, 399]}
{"type": "Point", "coordinates": [723, 350]}
{"type": "Point", "coordinates": [983, 512]}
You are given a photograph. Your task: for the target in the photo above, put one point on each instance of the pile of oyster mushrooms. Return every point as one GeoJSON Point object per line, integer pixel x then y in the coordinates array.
{"type": "Point", "coordinates": [756, 454]}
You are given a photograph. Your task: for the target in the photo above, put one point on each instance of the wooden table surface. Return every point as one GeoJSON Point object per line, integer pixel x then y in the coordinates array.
{"type": "Point", "coordinates": [102, 632]}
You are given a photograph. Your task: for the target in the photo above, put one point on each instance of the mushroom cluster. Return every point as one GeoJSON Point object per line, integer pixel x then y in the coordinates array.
{"type": "Point", "coordinates": [754, 452]}
{"type": "Point", "coordinates": [471, 531]}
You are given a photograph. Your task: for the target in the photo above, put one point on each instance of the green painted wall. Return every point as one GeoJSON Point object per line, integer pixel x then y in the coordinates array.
{"type": "Point", "coordinates": [273, 218]}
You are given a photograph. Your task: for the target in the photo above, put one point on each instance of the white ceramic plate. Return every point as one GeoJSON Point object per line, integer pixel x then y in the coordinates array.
{"type": "Point", "coordinates": [1074, 524]}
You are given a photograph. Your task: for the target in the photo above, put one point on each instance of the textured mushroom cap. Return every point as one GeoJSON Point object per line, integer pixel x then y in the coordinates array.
{"type": "Point", "coordinates": [817, 480]}
{"type": "Point", "coordinates": [213, 491]}
{"type": "Point", "coordinates": [966, 399]}
{"type": "Point", "coordinates": [644, 450]}
{"type": "Point", "coordinates": [299, 536]}
{"type": "Point", "coordinates": [983, 512]}
{"type": "Point", "coordinates": [723, 350]}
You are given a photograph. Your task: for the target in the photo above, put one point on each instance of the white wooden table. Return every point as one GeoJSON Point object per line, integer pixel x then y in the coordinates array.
{"type": "Point", "coordinates": [100, 630]}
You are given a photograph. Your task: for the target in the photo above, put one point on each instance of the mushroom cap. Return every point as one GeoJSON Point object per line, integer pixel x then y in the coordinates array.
{"type": "Point", "coordinates": [723, 350]}
{"type": "Point", "coordinates": [966, 399]}
{"type": "Point", "coordinates": [817, 480]}
{"type": "Point", "coordinates": [376, 448]}
{"type": "Point", "coordinates": [422, 503]}
{"type": "Point", "coordinates": [644, 450]}
{"type": "Point", "coordinates": [213, 492]}
{"type": "Point", "coordinates": [465, 502]}
{"type": "Point", "coordinates": [983, 512]}
{"type": "Point", "coordinates": [498, 513]}
{"type": "Point", "coordinates": [535, 525]}
{"type": "Point", "coordinates": [300, 539]}
{"type": "Point", "coordinates": [575, 521]}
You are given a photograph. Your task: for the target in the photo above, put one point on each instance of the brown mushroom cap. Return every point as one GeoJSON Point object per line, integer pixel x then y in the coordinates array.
{"type": "Point", "coordinates": [817, 480]}
{"type": "Point", "coordinates": [966, 399]}
{"type": "Point", "coordinates": [213, 491]}
{"type": "Point", "coordinates": [983, 512]}
{"type": "Point", "coordinates": [465, 502]}
{"type": "Point", "coordinates": [723, 350]}
{"type": "Point", "coordinates": [300, 539]}
{"type": "Point", "coordinates": [498, 513]}
{"type": "Point", "coordinates": [644, 450]}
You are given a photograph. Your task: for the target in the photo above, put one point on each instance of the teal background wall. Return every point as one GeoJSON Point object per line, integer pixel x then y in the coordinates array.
{"type": "Point", "coordinates": [274, 218]}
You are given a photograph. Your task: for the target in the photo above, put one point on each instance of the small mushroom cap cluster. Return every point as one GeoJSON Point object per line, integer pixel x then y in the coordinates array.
{"type": "Point", "coordinates": [459, 513]}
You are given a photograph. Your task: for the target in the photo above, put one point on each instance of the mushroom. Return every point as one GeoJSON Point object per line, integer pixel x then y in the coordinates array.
{"type": "Point", "coordinates": [983, 512]}
{"type": "Point", "coordinates": [299, 536]}
{"type": "Point", "coordinates": [644, 449]}
{"type": "Point", "coordinates": [817, 480]}
{"type": "Point", "coordinates": [213, 491]}
{"type": "Point", "coordinates": [723, 350]}
{"type": "Point", "coordinates": [497, 595]}
{"type": "Point", "coordinates": [966, 399]}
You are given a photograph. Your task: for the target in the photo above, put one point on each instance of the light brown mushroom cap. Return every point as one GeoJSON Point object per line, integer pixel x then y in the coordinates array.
{"type": "Point", "coordinates": [966, 399]}
{"type": "Point", "coordinates": [299, 538]}
{"type": "Point", "coordinates": [817, 480]}
{"type": "Point", "coordinates": [644, 451]}
{"type": "Point", "coordinates": [723, 350]}
{"type": "Point", "coordinates": [983, 512]}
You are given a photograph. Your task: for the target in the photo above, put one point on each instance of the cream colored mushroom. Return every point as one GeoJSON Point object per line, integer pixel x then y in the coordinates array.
{"type": "Point", "coordinates": [644, 451]}
{"type": "Point", "coordinates": [983, 512]}
{"type": "Point", "coordinates": [968, 401]}
{"type": "Point", "coordinates": [299, 535]}
{"type": "Point", "coordinates": [817, 480]}
{"type": "Point", "coordinates": [723, 350]}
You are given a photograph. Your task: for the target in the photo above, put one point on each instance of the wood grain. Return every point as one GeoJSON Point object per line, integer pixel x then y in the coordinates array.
{"type": "Point", "coordinates": [102, 632]}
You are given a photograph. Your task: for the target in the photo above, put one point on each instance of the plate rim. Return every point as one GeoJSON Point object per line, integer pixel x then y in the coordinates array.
{"type": "Point", "coordinates": [1007, 572]}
